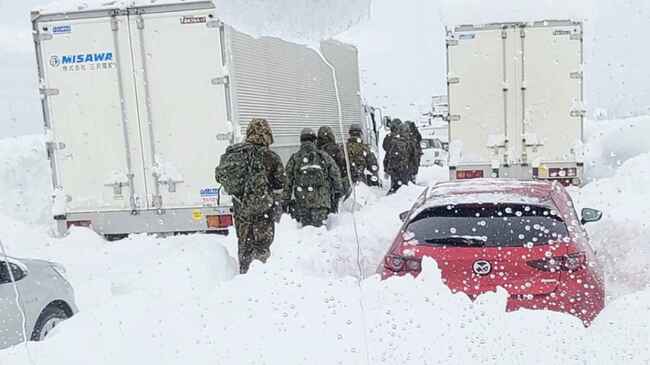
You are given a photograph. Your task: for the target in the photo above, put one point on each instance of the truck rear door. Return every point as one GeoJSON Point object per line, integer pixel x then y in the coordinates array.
{"type": "Point", "coordinates": [183, 101]}
{"type": "Point", "coordinates": [478, 95]}
{"type": "Point", "coordinates": [553, 92]}
{"type": "Point", "coordinates": [89, 99]}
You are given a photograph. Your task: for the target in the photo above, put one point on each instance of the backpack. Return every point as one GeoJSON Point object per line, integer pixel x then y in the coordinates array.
{"type": "Point", "coordinates": [398, 156]}
{"type": "Point", "coordinates": [242, 174]}
{"type": "Point", "coordinates": [310, 179]}
{"type": "Point", "coordinates": [358, 154]}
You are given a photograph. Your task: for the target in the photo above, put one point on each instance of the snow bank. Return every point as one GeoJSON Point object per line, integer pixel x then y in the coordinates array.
{"type": "Point", "coordinates": [25, 179]}
{"type": "Point", "coordinates": [281, 317]}
{"type": "Point", "coordinates": [178, 300]}
{"type": "Point", "coordinates": [102, 271]}
{"type": "Point", "coordinates": [609, 143]}
{"type": "Point", "coordinates": [622, 238]}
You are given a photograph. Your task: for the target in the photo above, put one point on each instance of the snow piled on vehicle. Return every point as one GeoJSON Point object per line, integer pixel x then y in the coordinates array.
{"type": "Point", "coordinates": [179, 300]}
{"type": "Point", "coordinates": [476, 11]}
{"type": "Point", "coordinates": [301, 21]}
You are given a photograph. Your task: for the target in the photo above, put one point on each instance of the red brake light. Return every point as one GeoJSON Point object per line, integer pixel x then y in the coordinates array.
{"type": "Point", "coordinates": [469, 174]}
{"type": "Point", "coordinates": [571, 262]}
{"type": "Point", "coordinates": [394, 263]}
{"type": "Point", "coordinates": [219, 221]}
{"type": "Point", "coordinates": [399, 264]}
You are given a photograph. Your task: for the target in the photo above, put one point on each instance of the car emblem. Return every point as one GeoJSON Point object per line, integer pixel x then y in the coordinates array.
{"type": "Point", "coordinates": [482, 267]}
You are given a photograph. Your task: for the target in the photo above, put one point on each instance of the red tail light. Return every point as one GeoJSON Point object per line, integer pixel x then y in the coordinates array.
{"type": "Point", "coordinates": [400, 264]}
{"type": "Point", "coordinates": [469, 174]}
{"type": "Point", "coordinates": [573, 262]}
{"type": "Point", "coordinates": [219, 221]}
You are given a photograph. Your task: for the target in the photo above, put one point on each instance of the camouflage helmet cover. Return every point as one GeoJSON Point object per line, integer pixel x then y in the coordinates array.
{"type": "Point", "coordinates": [259, 132]}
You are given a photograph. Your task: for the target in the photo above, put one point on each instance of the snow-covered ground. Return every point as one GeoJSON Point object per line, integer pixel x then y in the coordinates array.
{"type": "Point", "coordinates": [178, 300]}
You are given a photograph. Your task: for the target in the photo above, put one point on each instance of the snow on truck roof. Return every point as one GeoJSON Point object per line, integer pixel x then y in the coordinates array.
{"type": "Point", "coordinates": [491, 191]}
{"type": "Point", "coordinates": [73, 6]}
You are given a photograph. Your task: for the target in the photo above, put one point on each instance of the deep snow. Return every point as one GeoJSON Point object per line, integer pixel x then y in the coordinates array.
{"type": "Point", "coordinates": [178, 300]}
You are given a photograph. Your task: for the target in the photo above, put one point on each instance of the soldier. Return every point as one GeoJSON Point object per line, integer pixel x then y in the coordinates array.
{"type": "Point", "coordinates": [363, 163]}
{"type": "Point", "coordinates": [416, 138]}
{"type": "Point", "coordinates": [395, 125]}
{"type": "Point", "coordinates": [400, 157]}
{"type": "Point", "coordinates": [314, 181]}
{"type": "Point", "coordinates": [326, 142]}
{"type": "Point", "coordinates": [254, 176]}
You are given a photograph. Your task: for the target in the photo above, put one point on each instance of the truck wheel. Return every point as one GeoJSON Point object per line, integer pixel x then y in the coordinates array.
{"type": "Point", "coordinates": [47, 321]}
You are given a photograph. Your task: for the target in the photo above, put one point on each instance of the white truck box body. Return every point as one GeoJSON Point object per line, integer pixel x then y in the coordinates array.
{"type": "Point", "coordinates": [141, 102]}
{"type": "Point", "coordinates": [516, 100]}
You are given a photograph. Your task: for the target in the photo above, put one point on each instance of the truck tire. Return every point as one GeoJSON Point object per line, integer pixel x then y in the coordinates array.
{"type": "Point", "coordinates": [47, 321]}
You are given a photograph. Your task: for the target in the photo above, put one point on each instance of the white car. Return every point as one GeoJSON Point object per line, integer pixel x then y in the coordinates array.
{"type": "Point", "coordinates": [433, 152]}
{"type": "Point", "coordinates": [46, 298]}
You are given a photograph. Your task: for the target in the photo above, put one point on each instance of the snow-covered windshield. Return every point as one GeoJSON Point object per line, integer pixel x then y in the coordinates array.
{"type": "Point", "coordinates": [487, 225]}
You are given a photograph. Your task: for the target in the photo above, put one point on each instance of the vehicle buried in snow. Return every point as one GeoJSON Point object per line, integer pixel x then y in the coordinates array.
{"type": "Point", "coordinates": [140, 102]}
{"type": "Point", "coordinates": [523, 236]}
{"type": "Point", "coordinates": [516, 101]}
{"type": "Point", "coordinates": [46, 299]}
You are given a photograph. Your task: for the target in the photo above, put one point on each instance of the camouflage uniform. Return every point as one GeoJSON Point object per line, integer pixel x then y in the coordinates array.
{"type": "Point", "coordinates": [311, 204]}
{"type": "Point", "coordinates": [400, 157]}
{"type": "Point", "coordinates": [363, 163]}
{"type": "Point", "coordinates": [326, 142]}
{"type": "Point", "coordinates": [395, 125]}
{"type": "Point", "coordinates": [255, 233]}
{"type": "Point", "coordinates": [416, 137]}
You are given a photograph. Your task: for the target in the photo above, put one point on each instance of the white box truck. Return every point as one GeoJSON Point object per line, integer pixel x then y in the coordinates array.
{"type": "Point", "coordinates": [140, 102]}
{"type": "Point", "coordinates": [516, 100]}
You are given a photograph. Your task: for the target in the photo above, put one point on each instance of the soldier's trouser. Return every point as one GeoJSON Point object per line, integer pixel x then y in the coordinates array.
{"type": "Point", "coordinates": [397, 181]}
{"type": "Point", "coordinates": [334, 202]}
{"type": "Point", "coordinates": [312, 216]}
{"type": "Point", "coordinates": [255, 237]}
{"type": "Point", "coordinates": [416, 171]}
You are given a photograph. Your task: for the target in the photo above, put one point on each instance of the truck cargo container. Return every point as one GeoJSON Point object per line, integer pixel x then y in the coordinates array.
{"type": "Point", "coordinates": [516, 100]}
{"type": "Point", "coordinates": [140, 102]}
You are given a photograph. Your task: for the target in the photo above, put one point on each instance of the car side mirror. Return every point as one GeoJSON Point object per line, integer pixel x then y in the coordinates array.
{"type": "Point", "coordinates": [404, 215]}
{"type": "Point", "coordinates": [591, 215]}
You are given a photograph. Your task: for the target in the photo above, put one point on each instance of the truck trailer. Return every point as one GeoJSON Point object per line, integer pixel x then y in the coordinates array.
{"type": "Point", "coordinates": [516, 100]}
{"type": "Point", "coordinates": [140, 102]}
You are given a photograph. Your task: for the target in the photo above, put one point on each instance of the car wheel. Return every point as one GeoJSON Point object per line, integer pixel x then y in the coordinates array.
{"type": "Point", "coordinates": [47, 321]}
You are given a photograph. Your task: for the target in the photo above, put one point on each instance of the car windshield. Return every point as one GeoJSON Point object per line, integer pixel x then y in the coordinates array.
{"type": "Point", "coordinates": [487, 225]}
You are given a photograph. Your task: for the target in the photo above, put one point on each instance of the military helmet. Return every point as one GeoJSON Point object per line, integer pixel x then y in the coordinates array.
{"type": "Point", "coordinates": [395, 125]}
{"type": "Point", "coordinates": [259, 132]}
{"type": "Point", "coordinates": [307, 134]}
{"type": "Point", "coordinates": [325, 136]}
{"type": "Point", "coordinates": [355, 130]}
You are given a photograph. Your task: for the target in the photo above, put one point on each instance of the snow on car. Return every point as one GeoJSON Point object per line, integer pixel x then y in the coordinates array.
{"type": "Point", "coordinates": [519, 235]}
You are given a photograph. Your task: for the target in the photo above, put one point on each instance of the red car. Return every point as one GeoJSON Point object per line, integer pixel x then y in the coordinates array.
{"type": "Point", "coordinates": [523, 236]}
